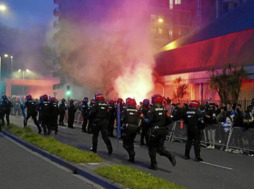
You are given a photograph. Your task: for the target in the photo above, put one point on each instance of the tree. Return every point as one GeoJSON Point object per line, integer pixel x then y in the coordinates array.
{"type": "Point", "coordinates": [181, 89]}
{"type": "Point", "coordinates": [228, 82]}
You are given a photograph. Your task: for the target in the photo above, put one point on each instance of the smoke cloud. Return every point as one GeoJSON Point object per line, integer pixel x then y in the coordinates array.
{"type": "Point", "coordinates": [109, 50]}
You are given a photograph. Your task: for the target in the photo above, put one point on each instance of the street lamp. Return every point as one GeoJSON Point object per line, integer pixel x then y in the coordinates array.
{"type": "Point", "coordinates": [3, 8]}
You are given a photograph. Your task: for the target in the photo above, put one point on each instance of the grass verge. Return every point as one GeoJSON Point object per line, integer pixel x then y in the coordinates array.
{"type": "Point", "coordinates": [128, 177]}
{"type": "Point", "coordinates": [134, 179]}
{"type": "Point", "coordinates": [49, 144]}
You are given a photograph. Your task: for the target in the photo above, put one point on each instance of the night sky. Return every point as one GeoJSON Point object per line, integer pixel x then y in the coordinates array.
{"type": "Point", "coordinates": [27, 13]}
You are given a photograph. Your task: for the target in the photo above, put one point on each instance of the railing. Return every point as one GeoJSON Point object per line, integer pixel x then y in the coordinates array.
{"type": "Point", "coordinates": [236, 138]}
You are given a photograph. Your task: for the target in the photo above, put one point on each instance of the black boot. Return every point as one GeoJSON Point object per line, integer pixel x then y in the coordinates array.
{"type": "Point", "coordinates": [131, 157]}
{"type": "Point", "coordinates": [25, 123]}
{"type": "Point", "coordinates": [153, 166]}
{"type": "Point", "coordinates": [94, 150]}
{"type": "Point", "coordinates": [172, 159]}
{"type": "Point", "coordinates": [110, 149]}
{"type": "Point", "coordinates": [198, 159]}
{"type": "Point", "coordinates": [186, 156]}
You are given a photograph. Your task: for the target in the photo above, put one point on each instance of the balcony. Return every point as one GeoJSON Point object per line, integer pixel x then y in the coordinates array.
{"type": "Point", "coordinates": [56, 12]}
{"type": "Point", "coordinates": [57, 1]}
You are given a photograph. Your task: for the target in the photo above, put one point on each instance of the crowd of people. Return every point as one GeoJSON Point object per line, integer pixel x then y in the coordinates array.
{"type": "Point", "coordinates": [150, 119]}
{"type": "Point", "coordinates": [220, 121]}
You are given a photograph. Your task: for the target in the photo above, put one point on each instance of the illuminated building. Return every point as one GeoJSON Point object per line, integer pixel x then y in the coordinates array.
{"type": "Point", "coordinates": [228, 39]}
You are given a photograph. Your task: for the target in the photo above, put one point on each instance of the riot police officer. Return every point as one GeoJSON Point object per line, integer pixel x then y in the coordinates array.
{"type": "Point", "coordinates": [144, 110]}
{"type": "Point", "coordinates": [195, 124]}
{"type": "Point", "coordinates": [130, 119]}
{"type": "Point", "coordinates": [159, 119]}
{"type": "Point", "coordinates": [99, 112]}
{"type": "Point", "coordinates": [44, 109]}
{"type": "Point", "coordinates": [71, 113]}
{"type": "Point", "coordinates": [111, 118]}
{"type": "Point", "coordinates": [54, 111]}
{"type": "Point", "coordinates": [31, 107]}
{"type": "Point", "coordinates": [6, 109]}
{"type": "Point", "coordinates": [90, 118]}
{"type": "Point", "coordinates": [84, 111]}
{"type": "Point", "coordinates": [62, 109]}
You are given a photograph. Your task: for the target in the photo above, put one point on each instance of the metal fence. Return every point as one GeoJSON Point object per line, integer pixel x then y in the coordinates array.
{"type": "Point", "coordinates": [235, 138]}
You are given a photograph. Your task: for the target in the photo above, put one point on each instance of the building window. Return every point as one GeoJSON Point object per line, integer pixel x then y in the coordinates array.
{"type": "Point", "coordinates": [178, 2]}
{"type": "Point", "coordinates": [171, 4]}
{"type": "Point", "coordinates": [160, 31]}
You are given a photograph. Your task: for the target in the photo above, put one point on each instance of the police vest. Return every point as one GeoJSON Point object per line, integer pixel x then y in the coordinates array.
{"type": "Point", "coordinates": [159, 116]}
{"type": "Point", "coordinates": [31, 106]}
{"type": "Point", "coordinates": [192, 118]}
{"type": "Point", "coordinates": [84, 109]}
{"type": "Point", "coordinates": [101, 110]}
{"type": "Point", "coordinates": [132, 116]}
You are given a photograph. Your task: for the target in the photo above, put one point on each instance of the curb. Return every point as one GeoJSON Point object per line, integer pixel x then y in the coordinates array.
{"type": "Point", "coordinates": [64, 163]}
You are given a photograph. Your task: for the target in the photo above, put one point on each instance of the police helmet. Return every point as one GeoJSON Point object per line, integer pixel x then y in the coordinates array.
{"type": "Point", "coordinates": [119, 100]}
{"type": "Point", "coordinates": [111, 102]}
{"type": "Point", "coordinates": [127, 99]}
{"type": "Point", "coordinates": [28, 97]}
{"type": "Point", "coordinates": [99, 96]}
{"type": "Point", "coordinates": [52, 99]}
{"type": "Point", "coordinates": [4, 96]}
{"type": "Point", "coordinates": [194, 103]}
{"type": "Point", "coordinates": [146, 102]}
{"type": "Point", "coordinates": [131, 102]}
{"type": "Point", "coordinates": [85, 99]}
{"type": "Point", "coordinates": [45, 97]}
{"type": "Point", "coordinates": [157, 98]}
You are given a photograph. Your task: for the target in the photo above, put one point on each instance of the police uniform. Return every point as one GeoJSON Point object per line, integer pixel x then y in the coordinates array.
{"type": "Point", "coordinates": [195, 124]}
{"type": "Point", "coordinates": [144, 110]}
{"type": "Point", "coordinates": [44, 108]}
{"type": "Point", "coordinates": [111, 118]}
{"type": "Point", "coordinates": [99, 113]}
{"type": "Point", "coordinates": [130, 120]}
{"type": "Point", "coordinates": [71, 114]}
{"type": "Point", "coordinates": [54, 111]}
{"type": "Point", "coordinates": [84, 111]}
{"type": "Point", "coordinates": [159, 119]}
{"type": "Point", "coordinates": [6, 109]}
{"type": "Point", "coordinates": [90, 117]}
{"type": "Point", "coordinates": [62, 109]}
{"type": "Point", "coordinates": [31, 107]}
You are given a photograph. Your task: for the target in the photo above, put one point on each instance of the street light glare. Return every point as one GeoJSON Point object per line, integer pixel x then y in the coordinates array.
{"type": "Point", "coordinates": [2, 7]}
{"type": "Point", "coordinates": [6, 55]}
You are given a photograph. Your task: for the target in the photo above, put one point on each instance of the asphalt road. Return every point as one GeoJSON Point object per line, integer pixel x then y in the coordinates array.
{"type": "Point", "coordinates": [219, 170]}
{"type": "Point", "coordinates": [23, 169]}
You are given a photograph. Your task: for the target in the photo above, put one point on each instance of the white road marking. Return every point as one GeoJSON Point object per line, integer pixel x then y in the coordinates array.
{"type": "Point", "coordinates": [215, 165]}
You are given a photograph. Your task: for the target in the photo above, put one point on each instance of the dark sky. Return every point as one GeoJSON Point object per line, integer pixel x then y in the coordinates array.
{"type": "Point", "coordinates": [27, 13]}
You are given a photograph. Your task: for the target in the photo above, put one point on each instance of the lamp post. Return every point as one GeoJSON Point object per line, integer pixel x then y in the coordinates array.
{"type": "Point", "coordinates": [23, 77]}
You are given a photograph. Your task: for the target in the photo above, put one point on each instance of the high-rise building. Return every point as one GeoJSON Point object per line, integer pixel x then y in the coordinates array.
{"type": "Point", "coordinates": [168, 20]}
